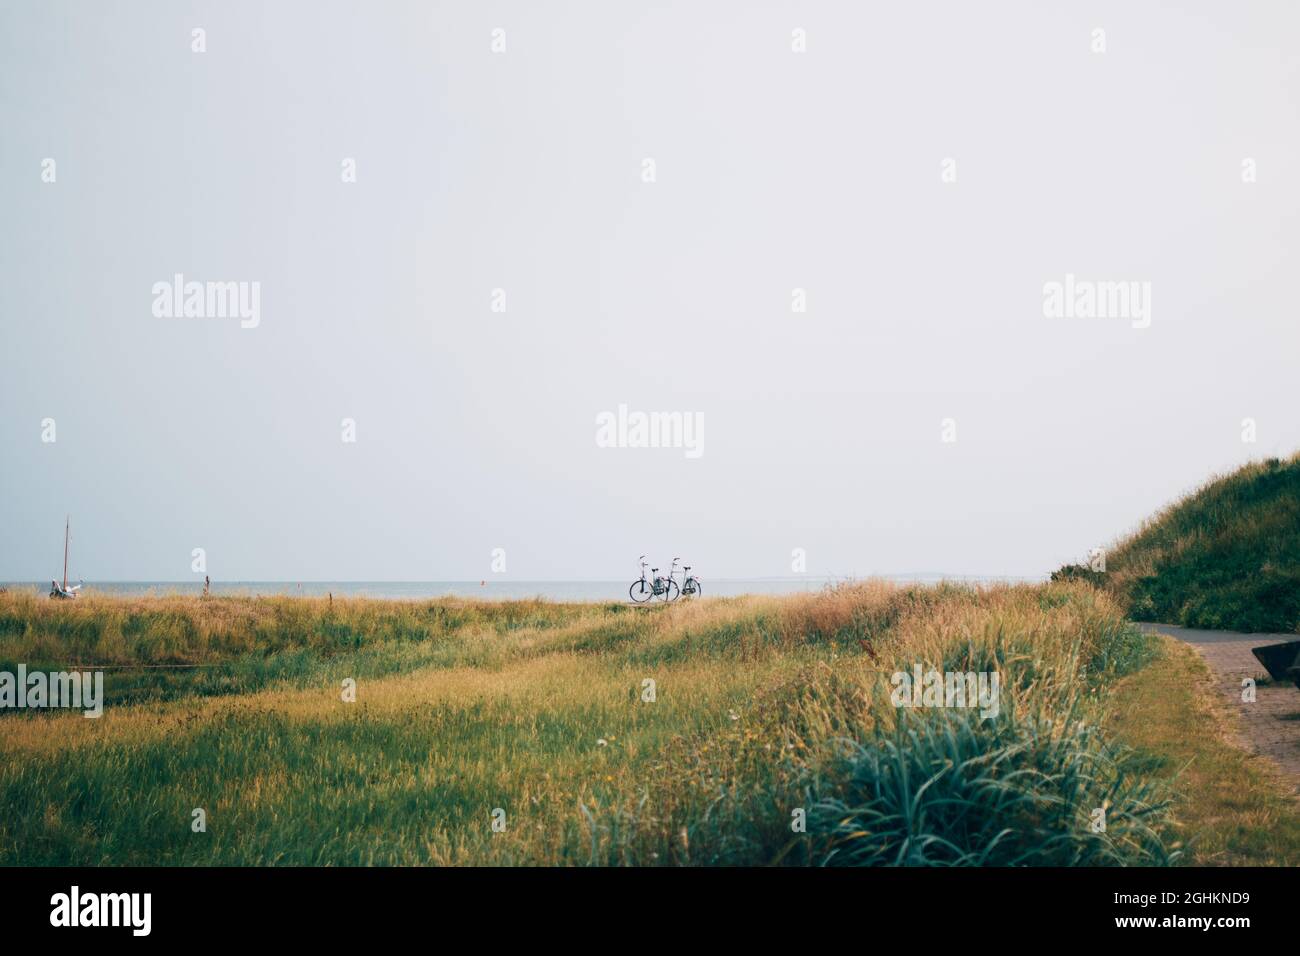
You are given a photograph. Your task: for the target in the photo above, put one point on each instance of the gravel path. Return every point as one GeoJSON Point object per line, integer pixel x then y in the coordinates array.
{"type": "Point", "coordinates": [1270, 726]}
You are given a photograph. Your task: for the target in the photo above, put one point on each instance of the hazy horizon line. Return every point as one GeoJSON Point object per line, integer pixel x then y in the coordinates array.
{"type": "Point", "coordinates": [514, 580]}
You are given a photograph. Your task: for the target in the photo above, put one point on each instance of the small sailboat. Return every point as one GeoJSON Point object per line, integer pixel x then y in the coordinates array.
{"type": "Point", "coordinates": [63, 591]}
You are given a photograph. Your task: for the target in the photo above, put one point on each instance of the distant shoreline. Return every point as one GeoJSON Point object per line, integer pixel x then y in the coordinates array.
{"type": "Point", "coordinates": [488, 589]}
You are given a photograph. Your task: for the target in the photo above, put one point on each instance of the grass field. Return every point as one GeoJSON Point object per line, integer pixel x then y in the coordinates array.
{"type": "Point", "coordinates": [756, 730]}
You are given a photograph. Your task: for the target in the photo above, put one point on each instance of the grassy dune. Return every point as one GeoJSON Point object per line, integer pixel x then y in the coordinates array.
{"type": "Point", "coordinates": [1225, 556]}
{"type": "Point", "coordinates": [766, 711]}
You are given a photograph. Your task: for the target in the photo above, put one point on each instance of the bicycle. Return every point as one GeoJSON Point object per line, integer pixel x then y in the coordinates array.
{"type": "Point", "coordinates": [642, 590]}
{"type": "Point", "coordinates": [691, 587]}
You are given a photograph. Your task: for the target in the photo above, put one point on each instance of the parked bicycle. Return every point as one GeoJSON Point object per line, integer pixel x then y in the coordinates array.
{"type": "Point", "coordinates": [663, 587]}
{"type": "Point", "coordinates": [691, 587]}
{"type": "Point", "coordinates": [645, 588]}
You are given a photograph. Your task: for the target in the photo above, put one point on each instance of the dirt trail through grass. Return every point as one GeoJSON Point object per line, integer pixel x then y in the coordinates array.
{"type": "Point", "coordinates": [1270, 724]}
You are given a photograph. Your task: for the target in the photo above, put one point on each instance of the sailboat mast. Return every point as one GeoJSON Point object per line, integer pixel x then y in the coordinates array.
{"type": "Point", "coordinates": [66, 528]}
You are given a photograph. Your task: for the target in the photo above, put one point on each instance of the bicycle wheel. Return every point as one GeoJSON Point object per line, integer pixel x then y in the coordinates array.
{"type": "Point", "coordinates": [696, 590]}
{"type": "Point", "coordinates": [671, 591]}
{"type": "Point", "coordinates": [640, 591]}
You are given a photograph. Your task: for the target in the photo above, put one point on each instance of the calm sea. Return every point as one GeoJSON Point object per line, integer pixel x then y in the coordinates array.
{"type": "Point", "coordinates": [490, 589]}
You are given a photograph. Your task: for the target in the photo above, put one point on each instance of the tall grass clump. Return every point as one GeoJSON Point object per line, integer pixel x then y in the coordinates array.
{"type": "Point", "coordinates": [951, 789]}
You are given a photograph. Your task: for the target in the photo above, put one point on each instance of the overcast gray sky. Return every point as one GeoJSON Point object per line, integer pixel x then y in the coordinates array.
{"type": "Point", "coordinates": [524, 170]}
